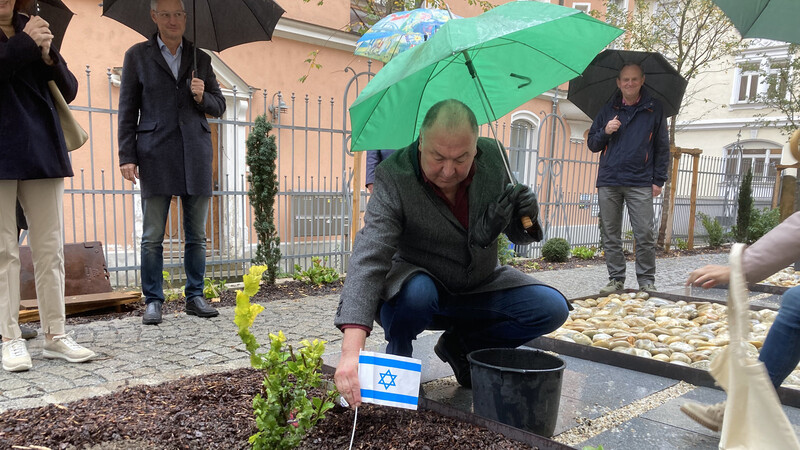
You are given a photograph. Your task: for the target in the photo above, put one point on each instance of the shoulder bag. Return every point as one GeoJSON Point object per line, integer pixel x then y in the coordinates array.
{"type": "Point", "coordinates": [74, 135]}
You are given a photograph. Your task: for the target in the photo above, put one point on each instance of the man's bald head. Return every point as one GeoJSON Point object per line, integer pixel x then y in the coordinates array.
{"type": "Point", "coordinates": [450, 115]}
{"type": "Point", "coordinates": [448, 144]}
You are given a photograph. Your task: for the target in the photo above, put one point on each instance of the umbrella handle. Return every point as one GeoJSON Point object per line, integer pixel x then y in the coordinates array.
{"type": "Point", "coordinates": [527, 222]}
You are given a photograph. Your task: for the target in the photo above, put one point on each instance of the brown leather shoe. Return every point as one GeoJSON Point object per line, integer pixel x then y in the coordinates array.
{"type": "Point", "coordinates": [197, 306]}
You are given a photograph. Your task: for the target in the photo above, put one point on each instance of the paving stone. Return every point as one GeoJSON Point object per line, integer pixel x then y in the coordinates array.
{"type": "Point", "coordinates": [27, 391]}
{"type": "Point", "coordinates": [23, 403]}
{"type": "Point", "coordinates": [90, 380]}
{"type": "Point", "coordinates": [14, 383]}
{"type": "Point", "coordinates": [641, 433]}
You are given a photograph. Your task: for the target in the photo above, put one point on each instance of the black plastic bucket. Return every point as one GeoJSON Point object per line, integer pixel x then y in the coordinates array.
{"type": "Point", "coordinates": [520, 388]}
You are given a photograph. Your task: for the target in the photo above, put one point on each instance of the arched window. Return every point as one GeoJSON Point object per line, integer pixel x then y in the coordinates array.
{"type": "Point", "coordinates": [522, 150]}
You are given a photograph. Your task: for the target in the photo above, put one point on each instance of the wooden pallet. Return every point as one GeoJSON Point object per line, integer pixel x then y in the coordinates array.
{"type": "Point", "coordinates": [76, 304]}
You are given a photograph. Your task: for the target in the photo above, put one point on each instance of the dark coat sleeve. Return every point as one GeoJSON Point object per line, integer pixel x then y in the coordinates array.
{"type": "Point", "coordinates": [213, 102]}
{"type": "Point", "coordinates": [373, 159]}
{"type": "Point", "coordinates": [598, 138]}
{"type": "Point", "coordinates": [660, 152]}
{"type": "Point", "coordinates": [130, 102]}
{"type": "Point", "coordinates": [31, 140]}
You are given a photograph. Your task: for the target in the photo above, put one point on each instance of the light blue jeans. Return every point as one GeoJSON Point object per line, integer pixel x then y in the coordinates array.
{"type": "Point", "coordinates": [781, 350]}
{"type": "Point", "coordinates": [506, 319]}
{"type": "Point", "coordinates": [155, 210]}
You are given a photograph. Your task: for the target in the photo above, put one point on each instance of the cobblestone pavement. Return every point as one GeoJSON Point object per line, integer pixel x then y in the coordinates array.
{"type": "Point", "coordinates": [130, 353]}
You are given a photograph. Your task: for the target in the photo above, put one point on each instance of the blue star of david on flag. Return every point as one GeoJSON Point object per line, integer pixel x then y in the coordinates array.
{"type": "Point", "coordinates": [389, 380]}
{"type": "Point", "coordinates": [383, 379]}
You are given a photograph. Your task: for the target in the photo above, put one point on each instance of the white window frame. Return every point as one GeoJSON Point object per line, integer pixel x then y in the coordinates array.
{"type": "Point", "coordinates": [761, 52]}
{"type": "Point", "coordinates": [582, 6]}
{"type": "Point", "coordinates": [525, 168]}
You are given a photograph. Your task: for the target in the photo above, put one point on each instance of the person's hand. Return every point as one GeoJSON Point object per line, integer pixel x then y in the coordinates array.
{"type": "Point", "coordinates": [526, 204]}
{"type": "Point", "coordinates": [496, 217]}
{"type": "Point", "coordinates": [130, 172]}
{"type": "Point", "coordinates": [656, 190]}
{"type": "Point", "coordinates": [197, 87]}
{"type": "Point", "coordinates": [613, 125]}
{"type": "Point", "coordinates": [346, 376]}
{"type": "Point", "coordinates": [709, 276]}
{"type": "Point", "coordinates": [46, 52]}
{"type": "Point", "coordinates": [39, 30]}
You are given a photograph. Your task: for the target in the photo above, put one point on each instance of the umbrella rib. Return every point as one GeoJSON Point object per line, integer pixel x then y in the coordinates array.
{"type": "Point", "coordinates": [511, 41]}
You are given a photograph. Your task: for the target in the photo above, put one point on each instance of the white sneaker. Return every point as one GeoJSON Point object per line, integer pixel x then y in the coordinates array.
{"type": "Point", "coordinates": [709, 416]}
{"type": "Point", "coordinates": [15, 356]}
{"type": "Point", "coordinates": [64, 346]}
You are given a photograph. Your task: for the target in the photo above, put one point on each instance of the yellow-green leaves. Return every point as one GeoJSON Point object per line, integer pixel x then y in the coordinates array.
{"type": "Point", "coordinates": [252, 280]}
{"type": "Point", "coordinates": [283, 410]}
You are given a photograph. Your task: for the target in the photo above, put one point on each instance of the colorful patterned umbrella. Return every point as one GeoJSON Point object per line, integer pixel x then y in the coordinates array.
{"type": "Point", "coordinates": [400, 31]}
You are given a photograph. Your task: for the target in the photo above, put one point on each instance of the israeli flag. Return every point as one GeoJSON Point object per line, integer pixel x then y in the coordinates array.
{"type": "Point", "coordinates": [389, 380]}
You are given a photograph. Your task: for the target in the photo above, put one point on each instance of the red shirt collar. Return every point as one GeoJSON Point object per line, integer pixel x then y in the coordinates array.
{"type": "Point", "coordinates": [631, 104]}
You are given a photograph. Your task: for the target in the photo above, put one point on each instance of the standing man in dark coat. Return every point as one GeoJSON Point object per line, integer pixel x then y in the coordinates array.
{"type": "Point", "coordinates": [427, 256]}
{"type": "Point", "coordinates": [165, 141]}
{"type": "Point", "coordinates": [374, 157]}
{"type": "Point", "coordinates": [630, 133]}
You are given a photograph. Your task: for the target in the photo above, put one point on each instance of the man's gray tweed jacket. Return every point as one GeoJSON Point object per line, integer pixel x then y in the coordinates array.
{"type": "Point", "coordinates": [409, 229]}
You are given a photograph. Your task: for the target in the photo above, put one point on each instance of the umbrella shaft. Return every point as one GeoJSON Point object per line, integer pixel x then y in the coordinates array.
{"type": "Point", "coordinates": [487, 108]}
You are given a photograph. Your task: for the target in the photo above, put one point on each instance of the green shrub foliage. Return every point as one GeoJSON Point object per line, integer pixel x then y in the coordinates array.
{"type": "Point", "coordinates": [504, 254]}
{"type": "Point", "coordinates": [556, 250]}
{"type": "Point", "coordinates": [761, 222]}
{"type": "Point", "coordinates": [261, 155]}
{"type": "Point", "coordinates": [584, 252]}
{"type": "Point", "coordinates": [318, 274]}
{"type": "Point", "coordinates": [716, 236]}
{"type": "Point", "coordinates": [284, 410]}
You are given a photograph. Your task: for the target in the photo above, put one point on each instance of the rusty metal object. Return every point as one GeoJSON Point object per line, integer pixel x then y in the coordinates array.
{"type": "Point", "coordinates": [84, 266]}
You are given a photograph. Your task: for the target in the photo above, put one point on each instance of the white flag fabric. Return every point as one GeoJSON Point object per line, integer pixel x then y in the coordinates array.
{"type": "Point", "coordinates": [389, 380]}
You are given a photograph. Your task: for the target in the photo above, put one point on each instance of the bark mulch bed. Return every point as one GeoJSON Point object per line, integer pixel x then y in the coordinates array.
{"type": "Point", "coordinates": [215, 412]}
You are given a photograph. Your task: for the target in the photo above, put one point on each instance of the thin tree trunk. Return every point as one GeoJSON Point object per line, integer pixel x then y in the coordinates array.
{"type": "Point", "coordinates": [662, 228]}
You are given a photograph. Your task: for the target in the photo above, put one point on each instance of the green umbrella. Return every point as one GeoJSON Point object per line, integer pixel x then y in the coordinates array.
{"type": "Point", "coordinates": [493, 63]}
{"type": "Point", "coordinates": [768, 19]}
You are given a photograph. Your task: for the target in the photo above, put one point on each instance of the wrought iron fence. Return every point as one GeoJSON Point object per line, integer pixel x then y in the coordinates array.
{"type": "Point", "coordinates": [313, 210]}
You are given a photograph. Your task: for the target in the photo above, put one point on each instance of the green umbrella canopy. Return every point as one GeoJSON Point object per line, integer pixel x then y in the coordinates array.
{"type": "Point", "coordinates": [768, 19]}
{"type": "Point", "coordinates": [519, 50]}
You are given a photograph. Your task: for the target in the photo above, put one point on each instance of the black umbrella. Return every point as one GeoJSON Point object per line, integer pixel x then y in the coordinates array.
{"type": "Point", "coordinates": [222, 23]}
{"type": "Point", "coordinates": [598, 83]}
{"type": "Point", "coordinates": [56, 13]}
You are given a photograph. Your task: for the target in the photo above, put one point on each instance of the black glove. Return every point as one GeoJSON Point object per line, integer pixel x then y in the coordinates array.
{"type": "Point", "coordinates": [526, 203]}
{"type": "Point", "coordinates": [496, 217]}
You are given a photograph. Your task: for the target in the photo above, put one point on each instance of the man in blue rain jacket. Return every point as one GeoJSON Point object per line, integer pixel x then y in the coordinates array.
{"type": "Point", "coordinates": [630, 134]}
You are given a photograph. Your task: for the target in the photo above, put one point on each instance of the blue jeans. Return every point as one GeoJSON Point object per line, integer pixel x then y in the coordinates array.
{"type": "Point", "coordinates": [781, 350]}
{"type": "Point", "coordinates": [506, 318]}
{"type": "Point", "coordinates": [155, 211]}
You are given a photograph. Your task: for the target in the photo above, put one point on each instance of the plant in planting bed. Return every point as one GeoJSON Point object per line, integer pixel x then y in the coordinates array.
{"type": "Point", "coordinates": [283, 410]}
